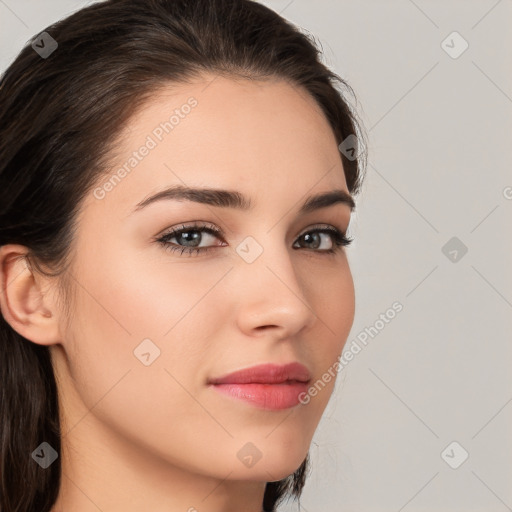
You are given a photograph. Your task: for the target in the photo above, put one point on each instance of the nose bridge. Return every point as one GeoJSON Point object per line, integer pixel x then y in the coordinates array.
{"type": "Point", "coordinates": [272, 291]}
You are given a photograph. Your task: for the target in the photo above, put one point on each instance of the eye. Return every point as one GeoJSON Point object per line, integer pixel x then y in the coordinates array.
{"type": "Point", "coordinates": [191, 237]}
{"type": "Point", "coordinates": [188, 239]}
{"type": "Point", "coordinates": [314, 238]}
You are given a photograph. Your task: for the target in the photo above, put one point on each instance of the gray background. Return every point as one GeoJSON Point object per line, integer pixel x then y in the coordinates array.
{"type": "Point", "coordinates": [439, 167]}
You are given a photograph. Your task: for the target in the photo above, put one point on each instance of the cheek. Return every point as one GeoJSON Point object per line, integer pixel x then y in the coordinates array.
{"type": "Point", "coordinates": [153, 405]}
{"type": "Point", "coordinates": [332, 297]}
{"type": "Point", "coordinates": [142, 293]}
{"type": "Point", "coordinates": [339, 305]}
{"type": "Point", "coordinates": [130, 307]}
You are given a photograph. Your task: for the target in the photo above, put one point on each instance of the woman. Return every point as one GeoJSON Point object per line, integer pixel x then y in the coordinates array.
{"type": "Point", "coordinates": [176, 183]}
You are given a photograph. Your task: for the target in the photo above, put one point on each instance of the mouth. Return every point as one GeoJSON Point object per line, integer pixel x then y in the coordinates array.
{"type": "Point", "coordinates": [266, 386]}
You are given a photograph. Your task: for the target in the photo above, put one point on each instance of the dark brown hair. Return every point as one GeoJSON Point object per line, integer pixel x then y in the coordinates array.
{"type": "Point", "coordinates": [59, 117]}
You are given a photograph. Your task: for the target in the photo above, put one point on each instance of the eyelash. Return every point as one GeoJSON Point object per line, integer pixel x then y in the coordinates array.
{"type": "Point", "coordinates": [339, 239]}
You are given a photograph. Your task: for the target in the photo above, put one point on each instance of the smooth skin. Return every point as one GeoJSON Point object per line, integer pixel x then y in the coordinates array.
{"type": "Point", "coordinates": [157, 437]}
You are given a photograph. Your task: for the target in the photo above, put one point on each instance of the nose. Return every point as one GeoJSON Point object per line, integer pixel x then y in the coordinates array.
{"type": "Point", "coordinates": [272, 295]}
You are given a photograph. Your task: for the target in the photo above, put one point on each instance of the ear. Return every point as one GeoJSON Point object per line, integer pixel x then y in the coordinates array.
{"type": "Point", "coordinates": [24, 303]}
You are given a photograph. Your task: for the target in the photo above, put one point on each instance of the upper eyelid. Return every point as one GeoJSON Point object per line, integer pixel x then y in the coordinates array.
{"type": "Point", "coordinates": [218, 231]}
{"type": "Point", "coordinates": [193, 227]}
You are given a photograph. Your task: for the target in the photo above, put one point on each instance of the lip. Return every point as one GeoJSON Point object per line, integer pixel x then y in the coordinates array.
{"type": "Point", "coordinates": [266, 386]}
{"type": "Point", "coordinates": [266, 374]}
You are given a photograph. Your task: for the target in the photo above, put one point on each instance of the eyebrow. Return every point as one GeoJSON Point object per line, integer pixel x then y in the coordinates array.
{"type": "Point", "coordinates": [233, 199]}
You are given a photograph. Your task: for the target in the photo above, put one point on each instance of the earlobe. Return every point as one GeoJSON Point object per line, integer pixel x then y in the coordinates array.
{"type": "Point", "coordinates": [23, 303]}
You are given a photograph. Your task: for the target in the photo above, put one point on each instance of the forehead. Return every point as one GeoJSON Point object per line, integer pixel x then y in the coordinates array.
{"type": "Point", "coordinates": [253, 135]}
{"type": "Point", "coordinates": [234, 115]}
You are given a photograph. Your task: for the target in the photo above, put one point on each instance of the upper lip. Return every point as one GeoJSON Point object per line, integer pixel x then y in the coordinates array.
{"type": "Point", "coordinates": [266, 374]}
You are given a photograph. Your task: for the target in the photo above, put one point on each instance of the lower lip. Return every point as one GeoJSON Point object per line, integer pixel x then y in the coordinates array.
{"type": "Point", "coordinates": [266, 396]}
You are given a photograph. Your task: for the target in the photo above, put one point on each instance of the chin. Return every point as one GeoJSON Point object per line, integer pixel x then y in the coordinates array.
{"type": "Point", "coordinates": [276, 467]}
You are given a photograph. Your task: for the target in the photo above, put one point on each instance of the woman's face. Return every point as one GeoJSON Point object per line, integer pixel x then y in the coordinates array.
{"type": "Point", "coordinates": [152, 326]}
